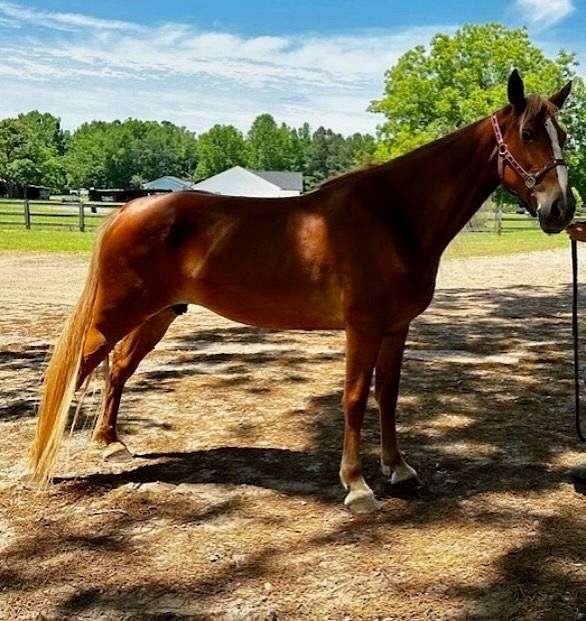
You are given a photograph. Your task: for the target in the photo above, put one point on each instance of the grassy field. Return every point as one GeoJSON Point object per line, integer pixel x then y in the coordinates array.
{"type": "Point", "coordinates": [39, 240]}
{"type": "Point", "coordinates": [511, 242]}
{"type": "Point", "coordinates": [465, 245]}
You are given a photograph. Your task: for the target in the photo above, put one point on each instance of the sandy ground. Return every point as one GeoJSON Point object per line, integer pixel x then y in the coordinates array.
{"type": "Point", "coordinates": [232, 507]}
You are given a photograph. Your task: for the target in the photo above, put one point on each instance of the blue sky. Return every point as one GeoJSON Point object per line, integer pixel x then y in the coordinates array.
{"type": "Point", "coordinates": [198, 63]}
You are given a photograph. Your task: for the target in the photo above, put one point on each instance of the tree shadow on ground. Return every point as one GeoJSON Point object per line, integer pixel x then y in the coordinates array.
{"type": "Point", "coordinates": [517, 418]}
{"type": "Point", "coordinates": [470, 429]}
{"type": "Point", "coordinates": [18, 397]}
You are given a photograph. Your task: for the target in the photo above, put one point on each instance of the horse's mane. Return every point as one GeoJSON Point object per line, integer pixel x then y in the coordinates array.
{"type": "Point", "coordinates": [534, 107]}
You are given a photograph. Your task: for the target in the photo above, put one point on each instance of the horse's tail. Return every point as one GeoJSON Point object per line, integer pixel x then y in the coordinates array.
{"type": "Point", "coordinates": [61, 377]}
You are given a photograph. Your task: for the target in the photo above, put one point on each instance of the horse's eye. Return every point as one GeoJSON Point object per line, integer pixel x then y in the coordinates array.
{"type": "Point", "coordinates": [527, 134]}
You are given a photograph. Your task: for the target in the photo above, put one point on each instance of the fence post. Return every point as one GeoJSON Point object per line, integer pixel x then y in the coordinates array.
{"type": "Point", "coordinates": [498, 223]}
{"type": "Point", "coordinates": [27, 214]}
{"type": "Point", "coordinates": [81, 218]}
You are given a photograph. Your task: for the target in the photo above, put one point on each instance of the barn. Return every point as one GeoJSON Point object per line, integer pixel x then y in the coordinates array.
{"type": "Point", "coordinates": [239, 181]}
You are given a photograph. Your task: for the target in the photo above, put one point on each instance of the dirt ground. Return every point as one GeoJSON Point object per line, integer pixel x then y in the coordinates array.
{"type": "Point", "coordinates": [232, 508]}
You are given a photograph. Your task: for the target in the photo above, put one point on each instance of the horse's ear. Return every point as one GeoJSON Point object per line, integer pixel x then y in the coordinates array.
{"type": "Point", "coordinates": [560, 97]}
{"type": "Point", "coordinates": [516, 91]}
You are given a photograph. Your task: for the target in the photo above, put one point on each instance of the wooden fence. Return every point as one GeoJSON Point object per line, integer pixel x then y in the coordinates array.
{"type": "Point", "coordinates": [78, 216]}
{"type": "Point", "coordinates": [507, 222]}
{"type": "Point", "coordinates": [74, 216]}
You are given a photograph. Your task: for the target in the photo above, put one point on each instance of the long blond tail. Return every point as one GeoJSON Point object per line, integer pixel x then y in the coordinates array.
{"type": "Point", "coordinates": [60, 379]}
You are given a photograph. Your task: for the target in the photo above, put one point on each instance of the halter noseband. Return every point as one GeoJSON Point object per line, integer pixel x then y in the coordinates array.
{"type": "Point", "coordinates": [506, 157]}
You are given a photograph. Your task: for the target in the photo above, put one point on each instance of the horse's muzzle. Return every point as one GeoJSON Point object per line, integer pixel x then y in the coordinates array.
{"type": "Point", "coordinates": [556, 217]}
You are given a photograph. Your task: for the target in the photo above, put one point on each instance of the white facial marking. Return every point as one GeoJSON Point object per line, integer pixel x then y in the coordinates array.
{"type": "Point", "coordinates": [561, 170]}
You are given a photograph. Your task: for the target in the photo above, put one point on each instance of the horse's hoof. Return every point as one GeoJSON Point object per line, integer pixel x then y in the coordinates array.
{"type": "Point", "coordinates": [117, 453]}
{"type": "Point", "coordinates": [405, 475]}
{"type": "Point", "coordinates": [362, 501]}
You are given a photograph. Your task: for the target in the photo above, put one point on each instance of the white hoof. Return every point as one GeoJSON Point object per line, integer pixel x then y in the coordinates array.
{"type": "Point", "coordinates": [117, 453]}
{"type": "Point", "coordinates": [362, 501]}
{"type": "Point", "coordinates": [404, 473]}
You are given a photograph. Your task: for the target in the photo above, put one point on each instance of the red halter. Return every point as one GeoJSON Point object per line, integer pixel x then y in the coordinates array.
{"type": "Point", "coordinates": [506, 157]}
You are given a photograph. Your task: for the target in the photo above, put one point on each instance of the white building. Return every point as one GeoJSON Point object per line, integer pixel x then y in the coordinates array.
{"type": "Point", "coordinates": [239, 181]}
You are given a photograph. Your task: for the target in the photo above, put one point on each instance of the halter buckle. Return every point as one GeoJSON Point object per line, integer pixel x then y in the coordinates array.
{"type": "Point", "coordinates": [530, 182]}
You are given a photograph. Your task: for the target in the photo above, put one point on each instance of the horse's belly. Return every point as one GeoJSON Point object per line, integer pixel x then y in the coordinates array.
{"type": "Point", "coordinates": [284, 309]}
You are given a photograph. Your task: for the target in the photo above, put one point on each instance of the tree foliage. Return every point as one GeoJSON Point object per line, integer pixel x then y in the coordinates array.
{"type": "Point", "coordinates": [462, 77]}
{"type": "Point", "coordinates": [121, 154]}
{"type": "Point", "coordinates": [218, 149]}
{"type": "Point", "coordinates": [31, 151]}
{"type": "Point", "coordinates": [124, 153]}
{"type": "Point", "coordinates": [269, 146]}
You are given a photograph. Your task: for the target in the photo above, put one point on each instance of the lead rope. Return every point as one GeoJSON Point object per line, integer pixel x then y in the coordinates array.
{"type": "Point", "coordinates": [576, 341]}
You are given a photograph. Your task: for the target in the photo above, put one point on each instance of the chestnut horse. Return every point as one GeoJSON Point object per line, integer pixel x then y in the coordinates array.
{"type": "Point", "coordinates": [359, 254]}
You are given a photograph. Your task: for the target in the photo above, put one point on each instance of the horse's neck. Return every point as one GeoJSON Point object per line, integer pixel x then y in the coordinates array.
{"type": "Point", "coordinates": [451, 179]}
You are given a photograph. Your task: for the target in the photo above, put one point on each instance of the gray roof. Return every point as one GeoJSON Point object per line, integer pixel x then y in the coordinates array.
{"type": "Point", "coordinates": [284, 179]}
{"type": "Point", "coordinates": [168, 178]}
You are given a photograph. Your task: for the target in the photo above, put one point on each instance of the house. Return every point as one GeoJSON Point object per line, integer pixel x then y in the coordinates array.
{"type": "Point", "coordinates": [167, 183]}
{"type": "Point", "coordinates": [239, 181]}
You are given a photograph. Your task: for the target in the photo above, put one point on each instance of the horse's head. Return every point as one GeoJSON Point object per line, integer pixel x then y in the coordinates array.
{"type": "Point", "coordinates": [530, 157]}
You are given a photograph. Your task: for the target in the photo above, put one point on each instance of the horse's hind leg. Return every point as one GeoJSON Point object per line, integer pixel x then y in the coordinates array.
{"type": "Point", "coordinates": [125, 359]}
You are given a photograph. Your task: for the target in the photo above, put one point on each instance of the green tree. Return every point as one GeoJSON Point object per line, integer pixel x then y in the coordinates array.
{"type": "Point", "coordinates": [31, 151]}
{"type": "Point", "coordinates": [430, 92]}
{"type": "Point", "coordinates": [300, 140]}
{"type": "Point", "coordinates": [218, 149]}
{"type": "Point", "coordinates": [362, 148]}
{"type": "Point", "coordinates": [270, 147]}
{"type": "Point", "coordinates": [34, 149]}
{"type": "Point", "coordinates": [120, 153]}
{"type": "Point", "coordinates": [331, 153]}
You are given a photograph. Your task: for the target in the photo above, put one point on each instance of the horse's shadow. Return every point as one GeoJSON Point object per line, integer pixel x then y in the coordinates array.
{"type": "Point", "coordinates": [291, 472]}
{"type": "Point", "coordinates": [282, 470]}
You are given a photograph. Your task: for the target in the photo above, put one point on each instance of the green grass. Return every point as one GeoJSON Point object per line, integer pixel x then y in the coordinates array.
{"type": "Point", "coordinates": [39, 240]}
{"type": "Point", "coordinates": [465, 245]}
{"type": "Point", "coordinates": [510, 242]}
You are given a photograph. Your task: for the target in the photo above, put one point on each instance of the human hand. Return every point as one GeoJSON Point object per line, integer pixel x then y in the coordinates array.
{"type": "Point", "coordinates": [577, 231]}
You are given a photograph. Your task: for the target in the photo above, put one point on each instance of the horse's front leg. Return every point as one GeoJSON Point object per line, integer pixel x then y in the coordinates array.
{"type": "Point", "coordinates": [387, 378]}
{"type": "Point", "coordinates": [362, 346]}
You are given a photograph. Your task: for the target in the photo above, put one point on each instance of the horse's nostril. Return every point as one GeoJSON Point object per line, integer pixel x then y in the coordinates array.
{"type": "Point", "coordinates": [556, 208]}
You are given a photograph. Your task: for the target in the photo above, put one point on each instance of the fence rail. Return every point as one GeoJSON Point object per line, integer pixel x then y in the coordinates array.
{"type": "Point", "coordinates": [76, 216]}
{"type": "Point", "coordinates": [502, 222]}
{"type": "Point", "coordinates": [79, 216]}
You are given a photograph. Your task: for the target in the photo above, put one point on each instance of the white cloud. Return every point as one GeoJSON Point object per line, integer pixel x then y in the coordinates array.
{"type": "Point", "coordinates": [194, 77]}
{"type": "Point", "coordinates": [542, 14]}
{"type": "Point", "coordinates": [61, 21]}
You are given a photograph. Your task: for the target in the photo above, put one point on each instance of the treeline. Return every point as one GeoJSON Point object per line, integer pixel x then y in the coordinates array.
{"type": "Point", "coordinates": [35, 150]}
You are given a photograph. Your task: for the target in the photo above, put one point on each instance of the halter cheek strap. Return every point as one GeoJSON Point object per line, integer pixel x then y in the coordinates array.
{"type": "Point", "coordinates": [506, 157]}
